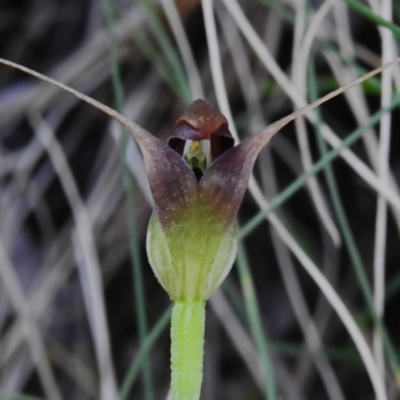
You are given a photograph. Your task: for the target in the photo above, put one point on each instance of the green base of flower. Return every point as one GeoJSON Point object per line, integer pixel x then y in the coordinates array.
{"type": "Point", "coordinates": [193, 256]}
{"type": "Point", "coordinates": [187, 348]}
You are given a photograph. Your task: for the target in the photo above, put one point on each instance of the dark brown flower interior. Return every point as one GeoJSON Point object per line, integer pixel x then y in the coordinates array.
{"type": "Point", "coordinates": [202, 121]}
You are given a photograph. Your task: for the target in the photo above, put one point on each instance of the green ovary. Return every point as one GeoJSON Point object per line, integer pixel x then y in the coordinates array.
{"type": "Point", "coordinates": [187, 341]}
{"type": "Point", "coordinates": [191, 256]}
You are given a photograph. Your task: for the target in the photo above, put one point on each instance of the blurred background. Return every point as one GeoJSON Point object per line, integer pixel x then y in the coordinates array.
{"type": "Point", "coordinates": [81, 313]}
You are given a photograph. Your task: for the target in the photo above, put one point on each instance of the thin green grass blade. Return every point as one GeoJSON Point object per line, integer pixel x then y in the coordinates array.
{"type": "Point", "coordinates": [254, 319]}
{"type": "Point", "coordinates": [136, 261]}
{"type": "Point", "coordinates": [233, 296]}
{"type": "Point", "coordinates": [280, 10]}
{"type": "Point", "coordinates": [148, 50]}
{"type": "Point", "coordinates": [175, 64]}
{"type": "Point", "coordinates": [345, 353]}
{"type": "Point", "coordinates": [301, 180]}
{"type": "Point", "coordinates": [371, 86]}
{"type": "Point", "coordinates": [296, 229]}
{"type": "Point", "coordinates": [367, 13]}
{"type": "Point", "coordinates": [145, 347]}
{"type": "Point", "coordinates": [391, 290]}
{"type": "Point", "coordinates": [7, 395]}
{"type": "Point", "coordinates": [393, 286]}
{"type": "Point", "coordinates": [345, 228]}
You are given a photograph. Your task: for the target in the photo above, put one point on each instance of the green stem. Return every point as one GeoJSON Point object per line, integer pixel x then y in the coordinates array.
{"type": "Point", "coordinates": [187, 347]}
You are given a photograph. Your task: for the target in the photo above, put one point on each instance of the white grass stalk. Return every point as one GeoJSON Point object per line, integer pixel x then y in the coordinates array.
{"type": "Point", "coordinates": [74, 367]}
{"type": "Point", "coordinates": [383, 170]}
{"type": "Point", "coordinates": [88, 264]}
{"type": "Point", "coordinates": [169, 395]}
{"type": "Point", "coordinates": [243, 70]}
{"type": "Point", "coordinates": [58, 264]}
{"type": "Point", "coordinates": [29, 327]}
{"type": "Point", "coordinates": [216, 69]}
{"type": "Point", "coordinates": [244, 345]}
{"type": "Point", "coordinates": [332, 297]}
{"type": "Point", "coordinates": [307, 325]}
{"type": "Point", "coordinates": [301, 131]}
{"type": "Point", "coordinates": [273, 33]}
{"type": "Point", "coordinates": [355, 98]}
{"type": "Point", "coordinates": [182, 41]}
{"type": "Point", "coordinates": [362, 170]}
{"type": "Point", "coordinates": [38, 302]}
{"type": "Point", "coordinates": [238, 335]}
{"type": "Point", "coordinates": [309, 37]}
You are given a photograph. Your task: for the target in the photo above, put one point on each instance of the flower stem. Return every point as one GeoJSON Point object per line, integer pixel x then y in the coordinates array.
{"type": "Point", "coordinates": [187, 347]}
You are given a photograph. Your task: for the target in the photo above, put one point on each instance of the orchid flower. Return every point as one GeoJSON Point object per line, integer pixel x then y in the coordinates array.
{"type": "Point", "coordinates": [197, 181]}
